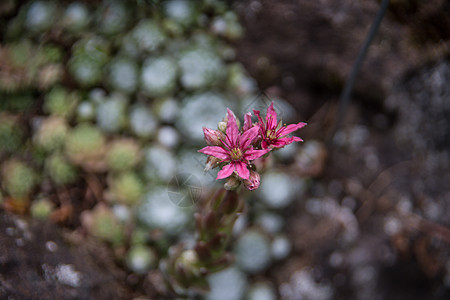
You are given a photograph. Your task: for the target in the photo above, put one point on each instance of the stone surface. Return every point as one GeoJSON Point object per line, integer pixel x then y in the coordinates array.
{"type": "Point", "coordinates": [36, 263]}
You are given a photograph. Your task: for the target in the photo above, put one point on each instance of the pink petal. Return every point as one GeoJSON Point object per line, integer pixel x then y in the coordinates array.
{"type": "Point", "coordinates": [242, 170]}
{"type": "Point", "coordinates": [248, 137]}
{"type": "Point", "coordinates": [226, 171]}
{"type": "Point", "coordinates": [247, 122]}
{"type": "Point", "coordinates": [254, 154]}
{"type": "Point", "coordinates": [262, 128]}
{"type": "Point", "coordinates": [280, 143]}
{"type": "Point", "coordinates": [232, 129]}
{"type": "Point", "coordinates": [257, 114]}
{"type": "Point", "coordinates": [264, 144]}
{"type": "Point", "coordinates": [290, 128]}
{"type": "Point", "coordinates": [215, 151]}
{"type": "Point", "coordinates": [271, 117]}
{"type": "Point", "coordinates": [297, 139]}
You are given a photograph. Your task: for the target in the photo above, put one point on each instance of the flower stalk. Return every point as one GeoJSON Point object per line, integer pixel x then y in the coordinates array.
{"type": "Point", "coordinates": [238, 153]}
{"type": "Point", "coordinates": [186, 269]}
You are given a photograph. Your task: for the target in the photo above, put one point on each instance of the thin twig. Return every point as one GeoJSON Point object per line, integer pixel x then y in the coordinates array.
{"type": "Point", "coordinates": [346, 93]}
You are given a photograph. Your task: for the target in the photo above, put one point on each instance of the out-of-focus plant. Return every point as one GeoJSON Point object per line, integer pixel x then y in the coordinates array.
{"type": "Point", "coordinates": [18, 180]}
{"type": "Point", "coordinates": [85, 146]}
{"type": "Point", "coordinates": [95, 101]}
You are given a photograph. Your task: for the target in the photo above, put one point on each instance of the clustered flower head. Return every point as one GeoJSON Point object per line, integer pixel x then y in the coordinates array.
{"type": "Point", "coordinates": [233, 150]}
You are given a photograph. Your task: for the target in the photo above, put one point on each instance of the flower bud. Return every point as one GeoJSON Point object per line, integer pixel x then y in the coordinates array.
{"type": "Point", "coordinates": [252, 183]}
{"type": "Point", "coordinates": [232, 183]}
{"type": "Point", "coordinates": [211, 163]}
{"type": "Point", "coordinates": [247, 122]}
{"type": "Point", "coordinates": [222, 126]}
{"type": "Point", "coordinates": [188, 261]}
{"type": "Point", "coordinates": [213, 137]}
{"type": "Point", "coordinates": [203, 251]}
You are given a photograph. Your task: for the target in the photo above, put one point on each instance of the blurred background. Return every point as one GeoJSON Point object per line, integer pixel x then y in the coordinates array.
{"type": "Point", "coordinates": [102, 105]}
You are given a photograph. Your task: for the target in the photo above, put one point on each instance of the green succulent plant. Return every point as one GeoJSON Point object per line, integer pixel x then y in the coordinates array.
{"type": "Point", "coordinates": [126, 188]}
{"type": "Point", "coordinates": [110, 116]}
{"type": "Point", "coordinates": [123, 74]}
{"type": "Point", "coordinates": [51, 133]}
{"type": "Point", "coordinates": [41, 209]}
{"type": "Point", "coordinates": [18, 179]}
{"type": "Point", "coordinates": [60, 170]}
{"type": "Point", "coordinates": [27, 65]}
{"type": "Point", "coordinates": [103, 224]}
{"type": "Point", "coordinates": [11, 134]}
{"type": "Point", "coordinates": [60, 102]}
{"type": "Point", "coordinates": [141, 258]}
{"type": "Point", "coordinates": [123, 154]}
{"type": "Point", "coordinates": [85, 146]}
{"type": "Point", "coordinates": [18, 69]}
{"type": "Point", "coordinates": [39, 17]}
{"type": "Point", "coordinates": [89, 56]}
{"type": "Point", "coordinates": [76, 17]}
{"type": "Point", "coordinates": [113, 17]}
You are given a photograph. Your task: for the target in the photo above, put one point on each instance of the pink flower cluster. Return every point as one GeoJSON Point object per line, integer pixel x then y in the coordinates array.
{"type": "Point", "coordinates": [233, 150]}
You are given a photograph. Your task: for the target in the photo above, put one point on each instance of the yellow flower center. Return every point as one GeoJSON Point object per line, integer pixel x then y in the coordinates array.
{"type": "Point", "coordinates": [271, 135]}
{"type": "Point", "coordinates": [236, 154]}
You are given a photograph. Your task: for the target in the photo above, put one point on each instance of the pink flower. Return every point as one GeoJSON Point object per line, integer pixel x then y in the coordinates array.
{"type": "Point", "coordinates": [273, 134]}
{"type": "Point", "coordinates": [236, 149]}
